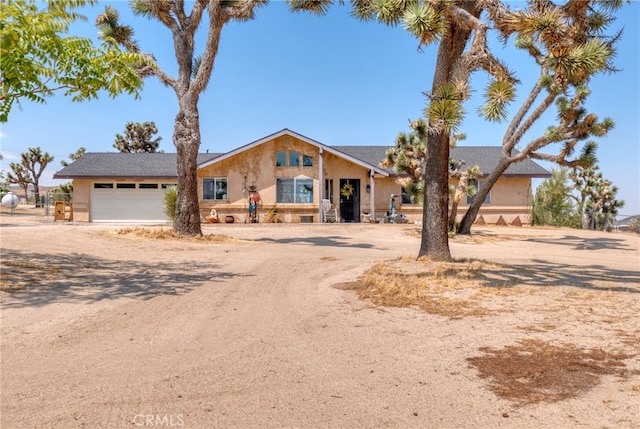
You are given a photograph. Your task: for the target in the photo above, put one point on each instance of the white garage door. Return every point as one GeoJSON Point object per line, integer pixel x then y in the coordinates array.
{"type": "Point", "coordinates": [127, 202]}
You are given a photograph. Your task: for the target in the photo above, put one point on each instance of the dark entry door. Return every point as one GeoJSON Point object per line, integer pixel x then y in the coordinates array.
{"type": "Point", "coordinates": [350, 200]}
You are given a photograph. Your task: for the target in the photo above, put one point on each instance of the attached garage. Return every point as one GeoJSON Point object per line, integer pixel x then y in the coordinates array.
{"type": "Point", "coordinates": [122, 187]}
{"type": "Point", "coordinates": [128, 202]}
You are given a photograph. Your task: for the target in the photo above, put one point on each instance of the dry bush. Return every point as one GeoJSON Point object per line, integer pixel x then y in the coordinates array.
{"type": "Point", "coordinates": [169, 234]}
{"type": "Point", "coordinates": [535, 371]}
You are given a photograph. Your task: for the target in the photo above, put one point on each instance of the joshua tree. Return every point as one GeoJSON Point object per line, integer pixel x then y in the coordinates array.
{"type": "Point", "coordinates": [568, 45]}
{"type": "Point", "coordinates": [193, 74]}
{"type": "Point", "coordinates": [74, 156]}
{"type": "Point", "coordinates": [596, 198]}
{"type": "Point", "coordinates": [138, 138]}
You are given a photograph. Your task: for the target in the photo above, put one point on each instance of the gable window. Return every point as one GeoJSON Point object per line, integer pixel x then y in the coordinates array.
{"type": "Point", "coordinates": [296, 191]}
{"type": "Point", "coordinates": [294, 159]}
{"type": "Point", "coordinates": [214, 189]}
{"type": "Point", "coordinates": [478, 185]}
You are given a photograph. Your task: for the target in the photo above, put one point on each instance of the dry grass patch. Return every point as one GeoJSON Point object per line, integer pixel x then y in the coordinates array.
{"type": "Point", "coordinates": [169, 234]}
{"type": "Point", "coordinates": [447, 289]}
{"type": "Point", "coordinates": [535, 371]}
{"type": "Point", "coordinates": [16, 275]}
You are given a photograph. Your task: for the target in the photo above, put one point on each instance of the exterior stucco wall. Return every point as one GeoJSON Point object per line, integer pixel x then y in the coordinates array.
{"type": "Point", "coordinates": [510, 199]}
{"type": "Point", "coordinates": [257, 167]}
{"type": "Point", "coordinates": [81, 199]}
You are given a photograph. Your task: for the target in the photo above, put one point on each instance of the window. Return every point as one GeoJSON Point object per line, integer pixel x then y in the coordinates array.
{"type": "Point", "coordinates": [406, 196]}
{"type": "Point", "coordinates": [294, 159]}
{"type": "Point", "coordinates": [214, 189]}
{"type": "Point", "coordinates": [103, 186]}
{"type": "Point", "coordinates": [148, 186]}
{"type": "Point", "coordinates": [478, 184]}
{"type": "Point", "coordinates": [297, 191]}
{"type": "Point", "coordinates": [168, 185]}
{"type": "Point", "coordinates": [126, 186]}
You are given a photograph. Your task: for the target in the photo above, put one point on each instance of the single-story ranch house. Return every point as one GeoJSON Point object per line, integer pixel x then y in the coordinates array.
{"type": "Point", "coordinates": [284, 173]}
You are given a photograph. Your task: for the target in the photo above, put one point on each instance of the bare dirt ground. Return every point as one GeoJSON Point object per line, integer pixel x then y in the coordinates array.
{"type": "Point", "coordinates": [106, 330]}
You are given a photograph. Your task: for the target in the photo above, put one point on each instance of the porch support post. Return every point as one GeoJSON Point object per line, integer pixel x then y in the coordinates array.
{"type": "Point", "coordinates": [320, 183]}
{"type": "Point", "coordinates": [372, 196]}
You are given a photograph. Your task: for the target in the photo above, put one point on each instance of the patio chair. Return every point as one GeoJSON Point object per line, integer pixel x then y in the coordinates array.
{"type": "Point", "coordinates": [329, 214]}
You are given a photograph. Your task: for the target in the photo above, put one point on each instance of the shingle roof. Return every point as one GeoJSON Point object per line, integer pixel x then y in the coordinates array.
{"type": "Point", "coordinates": [485, 157]}
{"type": "Point", "coordinates": [151, 165]}
{"type": "Point", "coordinates": [163, 165]}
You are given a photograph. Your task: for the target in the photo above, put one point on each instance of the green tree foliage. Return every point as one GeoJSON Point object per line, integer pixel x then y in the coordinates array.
{"type": "Point", "coordinates": [595, 197]}
{"type": "Point", "coordinates": [74, 156]}
{"type": "Point", "coordinates": [193, 73]}
{"type": "Point", "coordinates": [553, 203]}
{"type": "Point", "coordinates": [39, 58]}
{"type": "Point", "coordinates": [138, 138]}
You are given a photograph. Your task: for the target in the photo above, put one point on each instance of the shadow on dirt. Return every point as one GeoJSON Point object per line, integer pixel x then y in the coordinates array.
{"type": "Point", "coordinates": [542, 273]}
{"type": "Point", "coordinates": [586, 243]}
{"type": "Point", "coordinates": [34, 279]}
{"type": "Point", "coordinates": [332, 241]}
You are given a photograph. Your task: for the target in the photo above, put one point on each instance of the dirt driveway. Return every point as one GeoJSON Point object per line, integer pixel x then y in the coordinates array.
{"type": "Point", "coordinates": [101, 330]}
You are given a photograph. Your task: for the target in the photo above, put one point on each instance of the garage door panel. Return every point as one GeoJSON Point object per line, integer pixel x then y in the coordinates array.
{"type": "Point", "coordinates": [127, 205]}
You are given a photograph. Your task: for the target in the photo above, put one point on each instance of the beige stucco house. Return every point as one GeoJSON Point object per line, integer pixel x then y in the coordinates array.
{"type": "Point", "coordinates": [285, 176]}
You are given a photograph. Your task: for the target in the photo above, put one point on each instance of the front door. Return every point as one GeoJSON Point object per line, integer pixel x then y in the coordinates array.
{"type": "Point", "coordinates": [350, 200]}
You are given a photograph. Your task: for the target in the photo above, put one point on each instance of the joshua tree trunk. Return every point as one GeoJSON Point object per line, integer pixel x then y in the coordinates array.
{"type": "Point", "coordinates": [186, 138]}
{"type": "Point", "coordinates": [470, 216]}
{"type": "Point", "coordinates": [435, 238]}
{"type": "Point", "coordinates": [452, 214]}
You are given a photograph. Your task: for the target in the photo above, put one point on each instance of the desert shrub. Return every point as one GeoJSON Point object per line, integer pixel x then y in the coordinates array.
{"type": "Point", "coordinates": [170, 202]}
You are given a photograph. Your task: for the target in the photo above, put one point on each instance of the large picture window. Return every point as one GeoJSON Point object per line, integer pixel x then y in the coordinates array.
{"type": "Point", "coordinates": [297, 191]}
{"type": "Point", "coordinates": [214, 189]}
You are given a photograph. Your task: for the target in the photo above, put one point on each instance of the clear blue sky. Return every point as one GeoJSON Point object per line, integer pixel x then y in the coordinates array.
{"type": "Point", "coordinates": [333, 79]}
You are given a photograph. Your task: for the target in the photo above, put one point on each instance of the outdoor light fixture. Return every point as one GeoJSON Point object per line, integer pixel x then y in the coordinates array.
{"type": "Point", "coordinates": [368, 189]}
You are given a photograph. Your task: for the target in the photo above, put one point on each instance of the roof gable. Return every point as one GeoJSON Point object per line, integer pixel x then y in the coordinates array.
{"type": "Point", "coordinates": [331, 149]}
